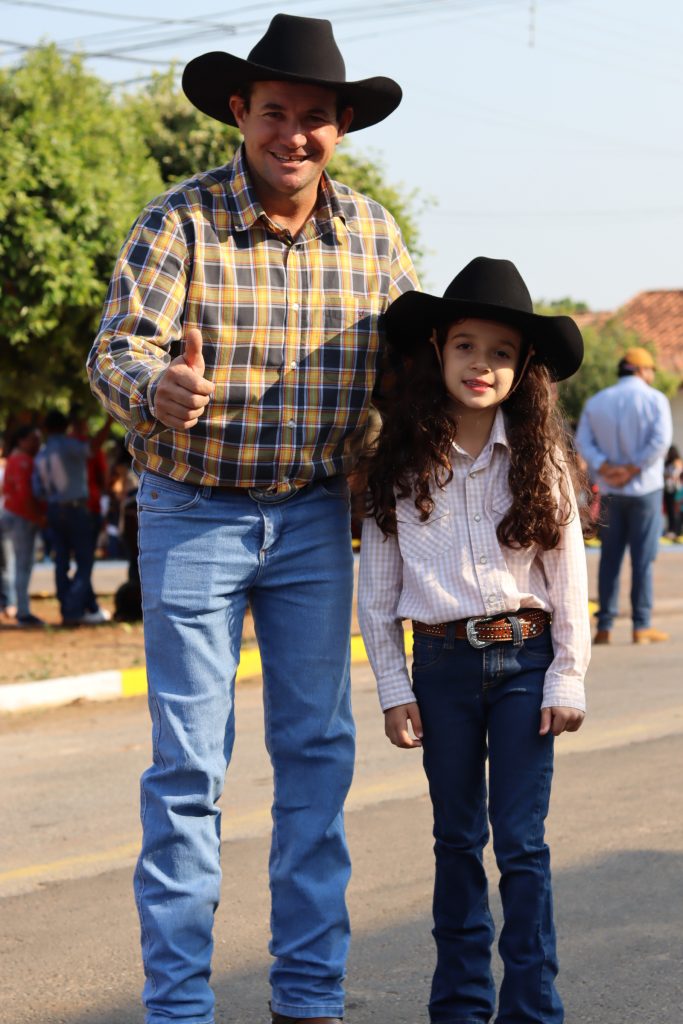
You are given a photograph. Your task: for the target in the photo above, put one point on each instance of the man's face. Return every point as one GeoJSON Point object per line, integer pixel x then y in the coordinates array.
{"type": "Point", "coordinates": [290, 134]}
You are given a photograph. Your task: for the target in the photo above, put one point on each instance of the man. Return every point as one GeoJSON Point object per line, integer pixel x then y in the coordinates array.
{"type": "Point", "coordinates": [623, 434]}
{"type": "Point", "coordinates": [60, 478]}
{"type": "Point", "coordinates": [239, 345]}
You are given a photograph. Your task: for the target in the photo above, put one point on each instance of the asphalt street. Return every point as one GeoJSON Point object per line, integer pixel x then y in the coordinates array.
{"type": "Point", "coordinates": [68, 928]}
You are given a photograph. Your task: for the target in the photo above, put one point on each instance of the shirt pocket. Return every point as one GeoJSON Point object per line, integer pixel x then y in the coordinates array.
{"type": "Point", "coordinates": [420, 541]}
{"type": "Point", "coordinates": [498, 501]}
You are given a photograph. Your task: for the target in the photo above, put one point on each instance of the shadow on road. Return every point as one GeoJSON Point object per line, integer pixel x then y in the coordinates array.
{"type": "Point", "coordinates": [619, 925]}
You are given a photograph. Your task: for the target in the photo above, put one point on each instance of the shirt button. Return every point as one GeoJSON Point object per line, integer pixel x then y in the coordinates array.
{"type": "Point", "coordinates": [291, 423]}
{"type": "Point", "coordinates": [483, 559]}
{"type": "Point", "coordinates": [492, 599]}
{"type": "Point", "coordinates": [293, 364]}
{"type": "Point", "coordinates": [477, 517]}
{"type": "Point", "coordinates": [294, 306]}
{"type": "Point", "coordinates": [473, 475]}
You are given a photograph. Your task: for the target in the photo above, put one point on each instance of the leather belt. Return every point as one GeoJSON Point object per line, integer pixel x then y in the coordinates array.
{"type": "Point", "coordinates": [482, 630]}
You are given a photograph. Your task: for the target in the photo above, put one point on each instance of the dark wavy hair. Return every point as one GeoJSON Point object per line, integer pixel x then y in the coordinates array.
{"type": "Point", "coordinates": [412, 451]}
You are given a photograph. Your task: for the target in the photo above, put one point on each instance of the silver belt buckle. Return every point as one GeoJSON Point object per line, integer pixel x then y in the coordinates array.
{"type": "Point", "coordinates": [471, 631]}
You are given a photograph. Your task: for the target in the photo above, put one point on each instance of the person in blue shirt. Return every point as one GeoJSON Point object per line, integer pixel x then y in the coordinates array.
{"type": "Point", "coordinates": [60, 478]}
{"type": "Point", "coordinates": [623, 434]}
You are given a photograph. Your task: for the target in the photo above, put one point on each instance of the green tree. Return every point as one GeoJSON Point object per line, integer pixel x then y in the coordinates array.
{"type": "Point", "coordinates": [74, 174]}
{"type": "Point", "coordinates": [179, 137]}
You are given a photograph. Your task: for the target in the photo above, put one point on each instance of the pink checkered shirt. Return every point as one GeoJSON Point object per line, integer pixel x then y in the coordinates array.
{"type": "Point", "coordinates": [453, 567]}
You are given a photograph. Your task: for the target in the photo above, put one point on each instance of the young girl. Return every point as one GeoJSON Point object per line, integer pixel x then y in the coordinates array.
{"type": "Point", "coordinates": [474, 534]}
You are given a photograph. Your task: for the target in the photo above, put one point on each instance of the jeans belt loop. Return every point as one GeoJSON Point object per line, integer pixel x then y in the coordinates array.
{"type": "Point", "coordinates": [517, 638]}
{"type": "Point", "coordinates": [449, 642]}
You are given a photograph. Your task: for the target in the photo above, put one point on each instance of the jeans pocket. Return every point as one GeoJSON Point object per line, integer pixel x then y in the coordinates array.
{"type": "Point", "coordinates": [159, 494]}
{"type": "Point", "coordinates": [427, 651]}
{"type": "Point", "coordinates": [538, 650]}
{"type": "Point", "coordinates": [336, 487]}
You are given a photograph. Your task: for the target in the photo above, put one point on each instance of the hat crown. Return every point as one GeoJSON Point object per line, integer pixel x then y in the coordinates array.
{"type": "Point", "coordinates": [304, 47]}
{"type": "Point", "coordinates": [492, 283]}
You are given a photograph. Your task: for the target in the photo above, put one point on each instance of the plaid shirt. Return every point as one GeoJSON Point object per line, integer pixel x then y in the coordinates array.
{"type": "Point", "coordinates": [290, 329]}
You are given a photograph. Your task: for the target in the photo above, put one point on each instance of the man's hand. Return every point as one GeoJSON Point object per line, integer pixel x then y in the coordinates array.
{"type": "Point", "coordinates": [560, 719]}
{"type": "Point", "coordinates": [617, 476]}
{"type": "Point", "coordinates": [396, 725]}
{"type": "Point", "coordinates": [182, 392]}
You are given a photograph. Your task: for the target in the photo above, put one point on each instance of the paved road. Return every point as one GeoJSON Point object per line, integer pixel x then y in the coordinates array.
{"type": "Point", "coordinates": [68, 930]}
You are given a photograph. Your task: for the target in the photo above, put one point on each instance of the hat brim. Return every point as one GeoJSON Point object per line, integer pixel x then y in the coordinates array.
{"type": "Point", "coordinates": [211, 79]}
{"type": "Point", "coordinates": [557, 340]}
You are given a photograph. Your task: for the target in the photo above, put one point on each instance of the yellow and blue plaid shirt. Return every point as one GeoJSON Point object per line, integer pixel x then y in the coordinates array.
{"type": "Point", "coordinates": [290, 329]}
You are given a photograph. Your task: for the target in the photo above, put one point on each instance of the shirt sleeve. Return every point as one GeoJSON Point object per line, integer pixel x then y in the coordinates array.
{"type": "Point", "coordinates": [142, 316]}
{"type": "Point", "coordinates": [379, 591]}
{"type": "Point", "coordinates": [660, 436]}
{"type": "Point", "coordinates": [567, 581]}
{"type": "Point", "coordinates": [403, 274]}
{"type": "Point", "coordinates": [586, 443]}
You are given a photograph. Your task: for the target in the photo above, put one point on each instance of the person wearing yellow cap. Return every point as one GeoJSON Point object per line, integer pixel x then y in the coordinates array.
{"type": "Point", "coordinates": [624, 433]}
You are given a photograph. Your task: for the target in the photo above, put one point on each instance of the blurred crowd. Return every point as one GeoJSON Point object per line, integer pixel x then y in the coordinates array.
{"type": "Point", "coordinates": [67, 498]}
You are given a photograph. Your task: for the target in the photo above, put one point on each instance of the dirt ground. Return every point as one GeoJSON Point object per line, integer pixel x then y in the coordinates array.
{"type": "Point", "coordinates": [32, 654]}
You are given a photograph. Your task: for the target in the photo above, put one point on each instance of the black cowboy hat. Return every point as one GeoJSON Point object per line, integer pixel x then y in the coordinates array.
{"type": "Point", "coordinates": [491, 290]}
{"type": "Point", "coordinates": [292, 50]}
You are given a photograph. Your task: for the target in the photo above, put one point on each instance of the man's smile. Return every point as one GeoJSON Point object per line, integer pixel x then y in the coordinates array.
{"type": "Point", "coordinates": [286, 159]}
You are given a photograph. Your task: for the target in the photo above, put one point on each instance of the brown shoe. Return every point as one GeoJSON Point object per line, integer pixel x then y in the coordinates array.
{"type": "Point", "coordinates": [649, 636]}
{"type": "Point", "coordinates": [279, 1018]}
{"type": "Point", "coordinates": [601, 637]}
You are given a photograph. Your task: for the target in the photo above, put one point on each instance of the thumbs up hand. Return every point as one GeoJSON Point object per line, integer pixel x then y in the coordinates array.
{"type": "Point", "coordinates": [183, 392]}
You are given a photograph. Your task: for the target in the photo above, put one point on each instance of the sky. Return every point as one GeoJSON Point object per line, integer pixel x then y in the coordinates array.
{"type": "Point", "coordinates": [547, 132]}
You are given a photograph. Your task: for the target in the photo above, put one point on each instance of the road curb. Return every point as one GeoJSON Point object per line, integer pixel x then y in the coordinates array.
{"type": "Point", "coordinates": [127, 682]}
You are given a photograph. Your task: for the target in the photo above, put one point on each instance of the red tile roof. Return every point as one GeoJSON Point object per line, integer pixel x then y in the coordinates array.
{"type": "Point", "coordinates": [657, 316]}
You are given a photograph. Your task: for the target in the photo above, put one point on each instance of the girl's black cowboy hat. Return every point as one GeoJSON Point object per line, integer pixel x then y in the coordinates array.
{"type": "Point", "coordinates": [491, 290]}
{"type": "Point", "coordinates": [292, 50]}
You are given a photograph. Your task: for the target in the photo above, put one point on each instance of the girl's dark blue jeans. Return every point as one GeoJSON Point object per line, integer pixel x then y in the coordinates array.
{"type": "Point", "coordinates": [474, 704]}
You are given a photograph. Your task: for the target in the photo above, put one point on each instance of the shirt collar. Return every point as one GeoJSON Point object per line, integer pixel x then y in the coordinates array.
{"type": "Point", "coordinates": [246, 208]}
{"type": "Point", "coordinates": [498, 435]}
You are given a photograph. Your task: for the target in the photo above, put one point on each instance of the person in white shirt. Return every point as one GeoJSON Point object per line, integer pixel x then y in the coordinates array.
{"type": "Point", "coordinates": [473, 532]}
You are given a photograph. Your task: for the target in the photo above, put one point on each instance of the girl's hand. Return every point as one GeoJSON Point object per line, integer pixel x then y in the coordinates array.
{"type": "Point", "coordinates": [560, 719]}
{"type": "Point", "coordinates": [396, 725]}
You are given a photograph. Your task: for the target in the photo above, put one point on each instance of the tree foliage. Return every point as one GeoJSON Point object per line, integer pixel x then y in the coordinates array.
{"type": "Point", "coordinates": [74, 173]}
{"type": "Point", "coordinates": [181, 140]}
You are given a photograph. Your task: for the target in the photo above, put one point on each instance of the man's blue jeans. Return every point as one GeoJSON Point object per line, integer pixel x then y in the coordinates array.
{"type": "Point", "coordinates": [633, 522]}
{"type": "Point", "coordinates": [23, 533]}
{"type": "Point", "coordinates": [476, 703]}
{"type": "Point", "coordinates": [205, 553]}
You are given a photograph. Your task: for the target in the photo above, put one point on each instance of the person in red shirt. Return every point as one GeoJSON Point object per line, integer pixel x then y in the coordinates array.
{"type": "Point", "coordinates": [23, 516]}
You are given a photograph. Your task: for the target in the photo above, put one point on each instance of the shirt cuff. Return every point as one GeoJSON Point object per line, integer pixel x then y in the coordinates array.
{"type": "Point", "coordinates": [395, 690]}
{"type": "Point", "coordinates": [563, 692]}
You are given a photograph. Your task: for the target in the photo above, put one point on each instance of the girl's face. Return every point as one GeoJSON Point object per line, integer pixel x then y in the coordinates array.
{"type": "Point", "coordinates": [480, 358]}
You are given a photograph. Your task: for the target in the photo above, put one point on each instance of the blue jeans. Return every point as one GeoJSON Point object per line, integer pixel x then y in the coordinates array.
{"type": "Point", "coordinates": [476, 703]}
{"type": "Point", "coordinates": [634, 522]}
{"type": "Point", "coordinates": [203, 555]}
{"type": "Point", "coordinates": [71, 529]}
{"type": "Point", "coordinates": [22, 533]}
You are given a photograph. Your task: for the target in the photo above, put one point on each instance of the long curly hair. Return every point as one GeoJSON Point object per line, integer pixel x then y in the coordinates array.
{"type": "Point", "coordinates": [412, 452]}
